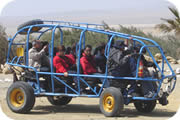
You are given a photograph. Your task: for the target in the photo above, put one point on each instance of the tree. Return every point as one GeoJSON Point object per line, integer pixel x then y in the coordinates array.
{"type": "Point", "coordinates": [3, 45]}
{"type": "Point", "coordinates": [171, 24]}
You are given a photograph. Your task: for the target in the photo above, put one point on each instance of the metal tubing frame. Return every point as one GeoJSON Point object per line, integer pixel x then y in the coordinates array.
{"type": "Point", "coordinates": [82, 36]}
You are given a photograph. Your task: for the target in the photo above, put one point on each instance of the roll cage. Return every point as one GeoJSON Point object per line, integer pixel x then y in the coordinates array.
{"type": "Point", "coordinates": [84, 27]}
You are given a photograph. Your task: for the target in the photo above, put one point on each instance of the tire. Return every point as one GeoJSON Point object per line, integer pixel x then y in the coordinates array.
{"type": "Point", "coordinates": [111, 102]}
{"type": "Point", "coordinates": [59, 100]}
{"type": "Point", "coordinates": [145, 106]}
{"type": "Point", "coordinates": [28, 23]}
{"type": "Point", "coordinates": [20, 97]}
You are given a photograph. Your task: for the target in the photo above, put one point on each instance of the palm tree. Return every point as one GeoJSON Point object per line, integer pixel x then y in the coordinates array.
{"type": "Point", "coordinates": [171, 24]}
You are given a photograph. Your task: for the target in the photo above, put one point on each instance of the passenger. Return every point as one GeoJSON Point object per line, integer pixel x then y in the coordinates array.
{"type": "Point", "coordinates": [72, 53]}
{"type": "Point", "coordinates": [118, 59]}
{"type": "Point", "coordinates": [62, 62]}
{"type": "Point", "coordinates": [122, 64]}
{"type": "Point", "coordinates": [148, 87]}
{"type": "Point", "coordinates": [68, 50]}
{"type": "Point", "coordinates": [118, 65]}
{"type": "Point", "coordinates": [100, 58]}
{"type": "Point", "coordinates": [96, 51]}
{"type": "Point", "coordinates": [38, 58]}
{"type": "Point", "coordinates": [87, 62]}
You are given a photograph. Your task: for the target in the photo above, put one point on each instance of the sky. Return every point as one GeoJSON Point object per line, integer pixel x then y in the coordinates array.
{"type": "Point", "coordinates": [113, 12]}
{"type": "Point", "coordinates": [36, 7]}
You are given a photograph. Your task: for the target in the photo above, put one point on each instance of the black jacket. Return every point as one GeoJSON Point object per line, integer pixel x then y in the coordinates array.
{"type": "Point", "coordinates": [118, 63]}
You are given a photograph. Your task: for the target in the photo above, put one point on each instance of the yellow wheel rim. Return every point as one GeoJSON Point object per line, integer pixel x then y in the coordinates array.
{"type": "Point", "coordinates": [17, 97]}
{"type": "Point", "coordinates": [108, 103]}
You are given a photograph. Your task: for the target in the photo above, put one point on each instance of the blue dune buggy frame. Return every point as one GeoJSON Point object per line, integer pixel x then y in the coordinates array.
{"type": "Point", "coordinates": [84, 27]}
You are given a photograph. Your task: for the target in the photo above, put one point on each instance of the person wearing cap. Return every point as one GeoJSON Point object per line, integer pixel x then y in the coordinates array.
{"type": "Point", "coordinates": [120, 64]}
{"type": "Point", "coordinates": [118, 59]}
{"type": "Point", "coordinates": [37, 56]}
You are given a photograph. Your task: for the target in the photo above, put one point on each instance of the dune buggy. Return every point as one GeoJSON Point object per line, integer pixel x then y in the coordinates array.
{"type": "Point", "coordinates": [30, 83]}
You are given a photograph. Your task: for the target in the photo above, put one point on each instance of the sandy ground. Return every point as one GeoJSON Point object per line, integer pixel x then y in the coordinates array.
{"type": "Point", "coordinates": [82, 108]}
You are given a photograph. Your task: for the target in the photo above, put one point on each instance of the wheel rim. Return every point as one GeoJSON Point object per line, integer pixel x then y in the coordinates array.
{"type": "Point", "coordinates": [17, 97]}
{"type": "Point", "coordinates": [108, 103]}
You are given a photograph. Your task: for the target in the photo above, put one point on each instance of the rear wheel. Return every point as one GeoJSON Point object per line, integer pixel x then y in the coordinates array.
{"type": "Point", "coordinates": [111, 102]}
{"type": "Point", "coordinates": [20, 97]}
{"type": "Point", "coordinates": [59, 100]}
{"type": "Point", "coordinates": [145, 106]}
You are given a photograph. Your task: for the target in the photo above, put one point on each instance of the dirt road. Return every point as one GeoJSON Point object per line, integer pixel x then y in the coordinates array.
{"type": "Point", "coordinates": [85, 108]}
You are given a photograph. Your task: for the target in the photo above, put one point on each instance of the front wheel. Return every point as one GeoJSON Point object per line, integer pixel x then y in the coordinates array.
{"type": "Point", "coordinates": [145, 106]}
{"type": "Point", "coordinates": [59, 100]}
{"type": "Point", "coordinates": [111, 102]}
{"type": "Point", "coordinates": [20, 97]}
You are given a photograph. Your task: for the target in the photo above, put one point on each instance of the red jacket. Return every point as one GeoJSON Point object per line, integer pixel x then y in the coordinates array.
{"type": "Point", "coordinates": [88, 64]}
{"type": "Point", "coordinates": [72, 57]}
{"type": "Point", "coordinates": [62, 64]}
